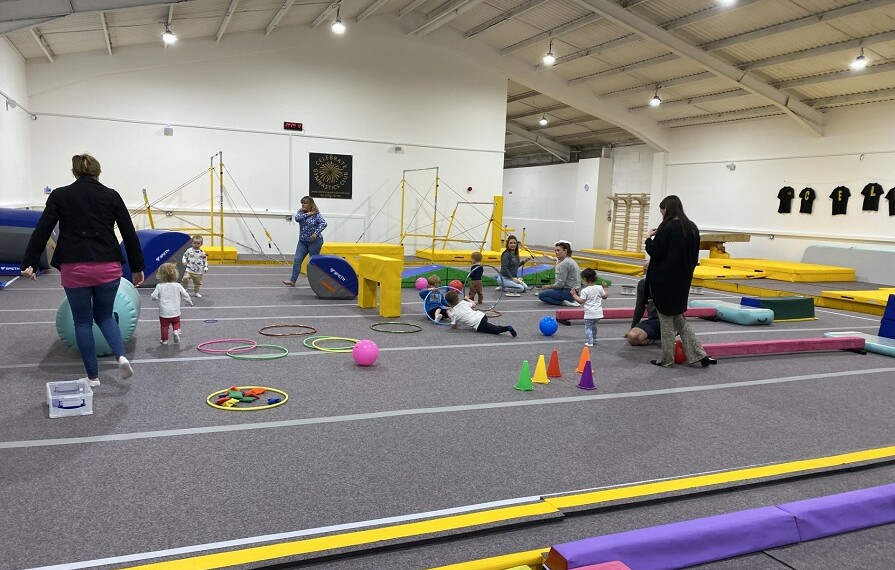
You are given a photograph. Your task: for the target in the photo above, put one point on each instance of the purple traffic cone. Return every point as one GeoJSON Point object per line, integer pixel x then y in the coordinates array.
{"type": "Point", "coordinates": [587, 378]}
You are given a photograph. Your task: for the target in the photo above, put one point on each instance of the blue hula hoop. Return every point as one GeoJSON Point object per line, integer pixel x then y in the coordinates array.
{"type": "Point", "coordinates": [443, 321]}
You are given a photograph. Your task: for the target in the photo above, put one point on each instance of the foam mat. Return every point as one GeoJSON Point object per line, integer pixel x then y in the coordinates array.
{"type": "Point", "coordinates": [786, 270]}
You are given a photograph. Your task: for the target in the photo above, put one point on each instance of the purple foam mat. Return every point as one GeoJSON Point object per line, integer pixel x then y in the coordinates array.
{"type": "Point", "coordinates": [843, 512]}
{"type": "Point", "coordinates": [682, 544]}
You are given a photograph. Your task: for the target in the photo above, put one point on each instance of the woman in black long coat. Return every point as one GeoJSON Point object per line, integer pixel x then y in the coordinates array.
{"type": "Point", "coordinates": [673, 248]}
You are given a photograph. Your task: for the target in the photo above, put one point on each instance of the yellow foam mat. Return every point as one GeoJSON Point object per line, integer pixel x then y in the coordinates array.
{"type": "Point", "coordinates": [616, 253]}
{"type": "Point", "coordinates": [456, 255]}
{"type": "Point", "coordinates": [703, 271]}
{"type": "Point", "coordinates": [598, 264]}
{"type": "Point", "coordinates": [791, 271]}
{"type": "Point", "coordinates": [214, 253]}
{"type": "Point", "coordinates": [873, 297]}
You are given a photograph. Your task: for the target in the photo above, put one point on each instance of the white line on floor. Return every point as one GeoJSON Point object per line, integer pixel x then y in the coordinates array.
{"type": "Point", "coordinates": [427, 411]}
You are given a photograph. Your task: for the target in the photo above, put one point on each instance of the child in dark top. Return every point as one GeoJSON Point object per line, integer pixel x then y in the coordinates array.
{"type": "Point", "coordinates": [433, 296]}
{"type": "Point", "coordinates": [475, 278]}
{"type": "Point", "coordinates": [463, 312]}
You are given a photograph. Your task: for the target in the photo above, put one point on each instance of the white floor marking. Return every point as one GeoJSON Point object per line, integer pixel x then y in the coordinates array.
{"type": "Point", "coordinates": [426, 411]}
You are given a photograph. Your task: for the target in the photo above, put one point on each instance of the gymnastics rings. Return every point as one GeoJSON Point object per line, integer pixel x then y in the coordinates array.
{"type": "Point", "coordinates": [311, 330]}
{"type": "Point", "coordinates": [416, 328]}
{"type": "Point", "coordinates": [235, 352]}
{"type": "Point", "coordinates": [201, 347]}
{"type": "Point", "coordinates": [221, 393]}
{"type": "Point", "coordinates": [311, 342]}
{"type": "Point", "coordinates": [443, 289]}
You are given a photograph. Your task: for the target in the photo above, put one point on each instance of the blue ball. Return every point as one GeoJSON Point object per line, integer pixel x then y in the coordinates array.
{"type": "Point", "coordinates": [548, 326]}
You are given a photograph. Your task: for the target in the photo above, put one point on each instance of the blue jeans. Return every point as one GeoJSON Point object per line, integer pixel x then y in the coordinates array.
{"type": "Point", "coordinates": [590, 330]}
{"type": "Point", "coordinates": [302, 250]}
{"type": "Point", "coordinates": [555, 296]}
{"type": "Point", "coordinates": [89, 304]}
{"type": "Point", "coordinates": [509, 284]}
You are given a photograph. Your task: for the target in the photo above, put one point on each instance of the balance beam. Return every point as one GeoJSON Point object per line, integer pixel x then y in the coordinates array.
{"type": "Point", "coordinates": [628, 313]}
{"type": "Point", "coordinates": [784, 346]}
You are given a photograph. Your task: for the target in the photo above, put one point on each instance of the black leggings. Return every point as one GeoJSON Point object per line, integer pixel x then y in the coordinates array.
{"type": "Point", "coordinates": [486, 327]}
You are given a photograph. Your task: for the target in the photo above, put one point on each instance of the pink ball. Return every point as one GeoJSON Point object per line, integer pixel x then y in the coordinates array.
{"type": "Point", "coordinates": [365, 352]}
{"type": "Point", "coordinates": [421, 283]}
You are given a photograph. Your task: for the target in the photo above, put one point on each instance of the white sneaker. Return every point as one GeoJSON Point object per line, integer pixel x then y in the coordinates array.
{"type": "Point", "coordinates": [588, 344]}
{"type": "Point", "coordinates": [438, 317]}
{"type": "Point", "coordinates": [498, 288]}
{"type": "Point", "coordinates": [165, 342]}
{"type": "Point", "coordinates": [199, 295]}
{"type": "Point", "coordinates": [93, 383]}
{"type": "Point", "coordinates": [125, 367]}
{"type": "Point", "coordinates": [176, 337]}
{"type": "Point", "coordinates": [571, 304]}
{"type": "Point", "coordinates": [512, 294]}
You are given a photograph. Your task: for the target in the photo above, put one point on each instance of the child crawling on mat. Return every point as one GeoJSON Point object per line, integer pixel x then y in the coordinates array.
{"type": "Point", "coordinates": [463, 312]}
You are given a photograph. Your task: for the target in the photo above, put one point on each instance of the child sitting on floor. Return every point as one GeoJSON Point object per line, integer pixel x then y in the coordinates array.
{"type": "Point", "coordinates": [168, 293]}
{"type": "Point", "coordinates": [434, 299]}
{"type": "Point", "coordinates": [463, 312]}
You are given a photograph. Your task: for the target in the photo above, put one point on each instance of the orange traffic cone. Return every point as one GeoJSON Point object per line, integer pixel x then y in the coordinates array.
{"type": "Point", "coordinates": [587, 378]}
{"type": "Point", "coordinates": [553, 370]}
{"type": "Point", "coordinates": [679, 356]}
{"type": "Point", "coordinates": [585, 357]}
{"type": "Point", "coordinates": [540, 376]}
{"type": "Point", "coordinates": [524, 383]}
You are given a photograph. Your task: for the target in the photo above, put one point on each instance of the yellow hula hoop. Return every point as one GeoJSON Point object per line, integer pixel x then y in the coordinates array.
{"type": "Point", "coordinates": [284, 395]}
{"type": "Point", "coordinates": [314, 340]}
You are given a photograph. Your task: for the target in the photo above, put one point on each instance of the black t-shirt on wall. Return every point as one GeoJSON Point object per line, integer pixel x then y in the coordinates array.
{"type": "Point", "coordinates": [891, 198]}
{"type": "Point", "coordinates": [807, 195]}
{"type": "Point", "coordinates": [840, 199]}
{"type": "Point", "coordinates": [785, 195]}
{"type": "Point", "coordinates": [871, 194]}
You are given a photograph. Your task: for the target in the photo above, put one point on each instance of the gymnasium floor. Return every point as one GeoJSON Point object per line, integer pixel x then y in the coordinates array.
{"type": "Point", "coordinates": [434, 425]}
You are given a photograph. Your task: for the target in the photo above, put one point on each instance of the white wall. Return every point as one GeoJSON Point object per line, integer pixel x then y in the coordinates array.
{"type": "Point", "coordinates": [357, 94]}
{"type": "Point", "coordinates": [15, 148]}
{"type": "Point", "coordinates": [857, 148]}
{"type": "Point", "coordinates": [551, 202]}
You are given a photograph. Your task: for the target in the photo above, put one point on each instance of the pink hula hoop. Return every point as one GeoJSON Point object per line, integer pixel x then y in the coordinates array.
{"type": "Point", "coordinates": [201, 346]}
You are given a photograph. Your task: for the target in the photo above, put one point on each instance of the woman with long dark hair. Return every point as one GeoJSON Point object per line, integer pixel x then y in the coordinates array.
{"type": "Point", "coordinates": [673, 248]}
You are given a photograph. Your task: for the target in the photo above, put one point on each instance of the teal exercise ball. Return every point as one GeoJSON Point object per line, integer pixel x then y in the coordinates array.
{"type": "Point", "coordinates": [126, 312]}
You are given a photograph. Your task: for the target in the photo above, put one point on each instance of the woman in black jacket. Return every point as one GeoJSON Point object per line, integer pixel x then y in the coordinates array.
{"type": "Point", "coordinates": [88, 257]}
{"type": "Point", "coordinates": [673, 248]}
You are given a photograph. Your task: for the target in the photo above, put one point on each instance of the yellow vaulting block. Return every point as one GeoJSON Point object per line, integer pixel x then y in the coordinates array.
{"type": "Point", "coordinates": [382, 273]}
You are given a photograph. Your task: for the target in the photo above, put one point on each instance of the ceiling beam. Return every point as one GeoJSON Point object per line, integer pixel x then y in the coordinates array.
{"type": "Point", "coordinates": [7, 27]}
{"type": "Point", "coordinates": [369, 11]}
{"type": "Point", "coordinates": [558, 150]}
{"type": "Point", "coordinates": [624, 69]}
{"type": "Point", "coordinates": [648, 87]}
{"type": "Point", "coordinates": [35, 33]}
{"type": "Point", "coordinates": [279, 16]}
{"type": "Point", "coordinates": [24, 14]}
{"type": "Point", "coordinates": [409, 8]}
{"type": "Point", "coordinates": [170, 14]}
{"type": "Point", "coordinates": [508, 15]}
{"type": "Point", "coordinates": [449, 13]}
{"type": "Point", "coordinates": [698, 100]}
{"type": "Point", "coordinates": [325, 14]}
{"type": "Point", "coordinates": [853, 97]}
{"type": "Point", "coordinates": [550, 34]}
{"type": "Point", "coordinates": [671, 25]}
{"type": "Point", "coordinates": [521, 96]}
{"type": "Point", "coordinates": [537, 111]}
{"type": "Point", "coordinates": [766, 111]}
{"type": "Point", "coordinates": [226, 21]}
{"type": "Point", "coordinates": [835, 76]}
{"type": "Point", "coordinates": [102, 20]}
{"type": "Point", "coordinates": [804, 115]}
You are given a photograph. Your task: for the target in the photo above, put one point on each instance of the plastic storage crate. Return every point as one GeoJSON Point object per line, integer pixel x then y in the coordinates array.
{"type": "Point", "coordinates": [69, 398]}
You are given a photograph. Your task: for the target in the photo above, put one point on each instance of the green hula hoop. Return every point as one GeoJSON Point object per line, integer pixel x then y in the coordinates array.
{"type": "Point", "coordinates": [416, 328]}
{"type": "Point", "coordinates": [274, 356]}
{"type": "Point", "coordinates": [311, 342]}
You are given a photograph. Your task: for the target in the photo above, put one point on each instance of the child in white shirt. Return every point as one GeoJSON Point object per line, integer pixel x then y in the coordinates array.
{"type": "Point", "coordinates": [195, 264]}
{"type": "Point", "coordinates": [464, 312]}
{"type": "Point", "coordinates": [168, 293]}
{"type": "Point", "coordinates": [592, 298]}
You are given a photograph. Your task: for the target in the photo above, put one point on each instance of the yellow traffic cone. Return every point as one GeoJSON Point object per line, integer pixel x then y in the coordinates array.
{"type": "Point", "coordinates": [524, 383]}
{"type": "Point", "coordinates": [585, 357]}
{"type": "Point", "coordinates": [540, 376]}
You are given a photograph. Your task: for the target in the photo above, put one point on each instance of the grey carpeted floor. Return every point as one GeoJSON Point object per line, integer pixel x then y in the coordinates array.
{"type": "Point", "coordinates": [435, 424]}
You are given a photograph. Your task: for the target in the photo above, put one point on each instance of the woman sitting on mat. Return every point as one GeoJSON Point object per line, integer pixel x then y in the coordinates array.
{"type": "Point", "coordinates": [567, 278]}
{"type": "Point", "coordinates": [509, 269]}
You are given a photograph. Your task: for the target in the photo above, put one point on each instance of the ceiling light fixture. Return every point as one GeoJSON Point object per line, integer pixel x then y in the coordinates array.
{"type": "Point", "coordinates": [168, 36]}
{"type": "Point", "coordinates": [338, 26]}
{"type": "Point", "coordinates": [543, 122]}
{"type": "Point", "coordinates": [550, 59]}
{"type": "Point", "coordinates": [655, 101]}
{"type": "Point", "coordinates": [860, 62]}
